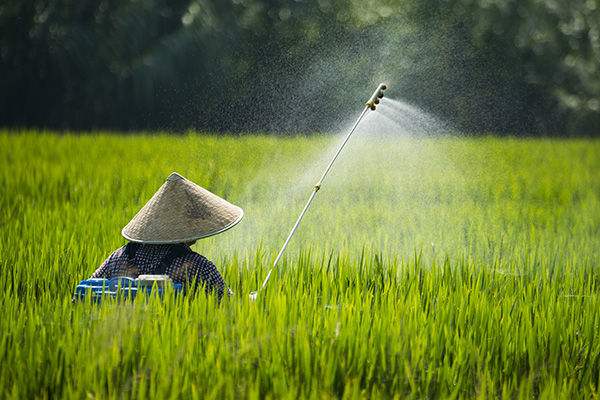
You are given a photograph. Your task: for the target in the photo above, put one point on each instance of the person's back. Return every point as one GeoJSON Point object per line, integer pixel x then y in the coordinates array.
{"type": "Point", "coordinates": [177, 261]}
{"type": "Point", "coordinates": [160, 234]}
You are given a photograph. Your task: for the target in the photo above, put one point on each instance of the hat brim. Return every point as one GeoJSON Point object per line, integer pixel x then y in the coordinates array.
{"type": "Point", "coordinates": [189, 239]}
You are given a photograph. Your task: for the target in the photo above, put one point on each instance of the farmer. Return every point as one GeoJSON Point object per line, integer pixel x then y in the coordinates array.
{"type": "Point", "coordinates": [161, 233]}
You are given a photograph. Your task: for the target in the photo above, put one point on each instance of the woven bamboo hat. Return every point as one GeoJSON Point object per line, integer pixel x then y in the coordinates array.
{"type": "Point", "coordinates": [181, 211]}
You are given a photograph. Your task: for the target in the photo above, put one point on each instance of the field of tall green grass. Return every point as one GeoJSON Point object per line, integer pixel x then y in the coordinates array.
{"type": "Point", "coordinates": [428, 268]}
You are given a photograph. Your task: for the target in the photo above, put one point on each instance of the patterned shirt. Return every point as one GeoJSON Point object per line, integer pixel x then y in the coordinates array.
{"type": "Point", "coordinates": [188, 268]}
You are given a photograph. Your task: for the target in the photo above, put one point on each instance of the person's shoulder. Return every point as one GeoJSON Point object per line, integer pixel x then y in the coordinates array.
{"type": "Point", "coordinates": [197, 258]}
{"type": "Point", "coordinates": [120, 252]}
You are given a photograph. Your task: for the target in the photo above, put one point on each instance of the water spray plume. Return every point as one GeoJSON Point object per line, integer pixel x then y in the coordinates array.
{"type": "Point", "coordinates": [371, 104]}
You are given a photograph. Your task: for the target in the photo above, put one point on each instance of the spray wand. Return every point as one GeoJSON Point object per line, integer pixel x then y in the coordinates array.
{"type": "Point", "coordinates": [371, 104]}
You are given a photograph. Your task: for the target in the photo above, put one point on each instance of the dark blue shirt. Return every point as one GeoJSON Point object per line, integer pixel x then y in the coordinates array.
{"type": "Point", "coordinates": [189, 268]}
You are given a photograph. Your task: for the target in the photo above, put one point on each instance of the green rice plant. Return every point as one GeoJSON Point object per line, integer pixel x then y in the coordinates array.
{"type": "Point", "coordinates": [428, 268]}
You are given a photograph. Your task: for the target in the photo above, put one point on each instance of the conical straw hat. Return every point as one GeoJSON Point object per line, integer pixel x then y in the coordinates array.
{"type": "Point", "coordinates": [181, 211]}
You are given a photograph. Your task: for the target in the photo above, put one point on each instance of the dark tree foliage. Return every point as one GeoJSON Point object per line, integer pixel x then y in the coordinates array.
{"type": "Point", "coordinates": [516, 66]}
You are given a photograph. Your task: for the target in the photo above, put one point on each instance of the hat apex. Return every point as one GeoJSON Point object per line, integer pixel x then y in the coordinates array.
{"type": "Point", "coordinates": [174, 177]}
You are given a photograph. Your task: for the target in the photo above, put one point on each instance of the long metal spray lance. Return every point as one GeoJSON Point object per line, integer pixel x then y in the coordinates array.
{"type": "Point", "coordinates": [371, 104]}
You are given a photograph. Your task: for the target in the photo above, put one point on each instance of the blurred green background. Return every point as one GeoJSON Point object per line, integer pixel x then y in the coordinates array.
{"type": "Point", "coordinates": [502, 66]}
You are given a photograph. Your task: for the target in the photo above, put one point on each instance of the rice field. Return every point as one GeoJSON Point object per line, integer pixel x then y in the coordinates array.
{"type": "Point", "coordinates": [428, 268]}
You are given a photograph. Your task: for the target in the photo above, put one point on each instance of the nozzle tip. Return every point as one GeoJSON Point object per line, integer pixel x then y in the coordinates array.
{"type": "Point", "coordinates": [383, 86]}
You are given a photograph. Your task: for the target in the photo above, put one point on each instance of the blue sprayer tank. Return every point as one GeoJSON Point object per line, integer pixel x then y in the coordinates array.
{"type": "Point", "coordinates": [125, 287]}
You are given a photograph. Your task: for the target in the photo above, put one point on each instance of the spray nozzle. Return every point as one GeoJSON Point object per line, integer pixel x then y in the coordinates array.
{"type": "Point", "coordinates": [378, 94]}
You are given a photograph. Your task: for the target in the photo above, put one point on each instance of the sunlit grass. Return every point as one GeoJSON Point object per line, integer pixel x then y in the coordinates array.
{"type": "Point", "coordinates": [427, 268]}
